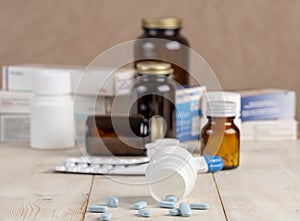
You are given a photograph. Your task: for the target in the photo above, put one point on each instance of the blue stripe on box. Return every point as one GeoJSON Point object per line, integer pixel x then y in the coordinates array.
{"type": "Point", "coordinates": [276, 105]}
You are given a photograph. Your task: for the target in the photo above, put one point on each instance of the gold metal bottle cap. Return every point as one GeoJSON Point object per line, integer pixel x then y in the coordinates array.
{"type": "Point", "coordinates": [150, 67]}
{"type": "Point", "coordinates": [163, 23]}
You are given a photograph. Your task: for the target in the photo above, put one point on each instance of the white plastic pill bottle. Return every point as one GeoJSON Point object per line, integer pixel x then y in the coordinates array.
{"type": "Point", "coordinates": [153, 147]}
{"type": "Point", "coordinates": [52, 124]}
{"type": "Point", "coordinates": [171, 171]}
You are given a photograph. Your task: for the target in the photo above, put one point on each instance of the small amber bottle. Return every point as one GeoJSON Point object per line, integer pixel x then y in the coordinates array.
{"type": "Point", "coordinates": [220, 136]}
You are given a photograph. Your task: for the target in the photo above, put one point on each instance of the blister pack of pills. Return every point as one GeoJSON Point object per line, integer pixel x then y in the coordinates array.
{"type": "Point", "coordinates": [104, 165]}
{"type": "Point", "coordinates": [127, 165]}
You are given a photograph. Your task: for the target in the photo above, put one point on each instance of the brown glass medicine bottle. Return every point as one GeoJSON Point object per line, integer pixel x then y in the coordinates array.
{"type": "Point", "coordinates": [116, 135]}
{"type": "Point", "coordinates": [153, 96]}
{"type": "Point", "coordinates": [149, 48]}
{"type": "Point", "coordinates": [220, 136]}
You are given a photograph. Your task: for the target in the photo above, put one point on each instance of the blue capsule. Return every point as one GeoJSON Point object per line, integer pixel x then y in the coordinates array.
{"type": "Point", "coordinates": [145, 213]}
{"type": "Point", "coordinates": [139, 205]}
{"type": "Point", "coordinates": [112, 201]}
{"type": "Point", "coordinates": [97, 209]}
{"type": "Point", "coordinates": [214, 163]}
{"type": "Point", "coordinates": [171, 198]}
{"type": "Point", "coordinates": [166, 204]}
{"type": "Point", "coordinates": [201, 206]}
{"type": "Point", "coordinates": [175, 212]}
{"type": "Point", "coordinates": [185, 209]}
{"type": "Point", "coordinates": [105, 216]}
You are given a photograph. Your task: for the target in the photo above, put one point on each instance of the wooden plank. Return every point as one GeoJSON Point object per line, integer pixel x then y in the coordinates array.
{"type": "Point", "coordinates": [266, 186]}
{"type": "Point", "coordinates": [28, 191]}
{"type": "Point", "coordinates": [128, 192]}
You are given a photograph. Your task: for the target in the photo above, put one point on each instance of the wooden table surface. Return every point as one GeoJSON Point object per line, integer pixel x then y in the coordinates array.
{"type": "Point", "coordinates": [266, 186]}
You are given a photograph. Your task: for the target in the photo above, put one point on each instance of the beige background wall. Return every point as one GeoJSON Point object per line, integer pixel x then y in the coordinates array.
{"type": "Point", "coordinates": [249, 44]}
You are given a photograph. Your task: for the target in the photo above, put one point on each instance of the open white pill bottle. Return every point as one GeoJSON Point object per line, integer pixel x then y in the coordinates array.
{"type": "Point", "coordinates": [171, 171]}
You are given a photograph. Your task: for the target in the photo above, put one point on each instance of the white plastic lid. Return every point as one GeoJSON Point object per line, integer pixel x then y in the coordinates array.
{"type": "Point", "coordinates": [222, 96]}
{"type": "Point", "coordinates": [52, 82]}
{"type": "Point", "coordinates": [221, 109]}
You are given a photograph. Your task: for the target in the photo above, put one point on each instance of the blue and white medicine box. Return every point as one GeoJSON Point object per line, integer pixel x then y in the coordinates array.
{"type": "Point", "coordinates": [188, 112]}
{"type": "Point", "coordinates": [267, 104]}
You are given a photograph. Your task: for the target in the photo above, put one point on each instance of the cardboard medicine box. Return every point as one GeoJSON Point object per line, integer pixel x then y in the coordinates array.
{"type": "Point", "coordinates": [188, 113]}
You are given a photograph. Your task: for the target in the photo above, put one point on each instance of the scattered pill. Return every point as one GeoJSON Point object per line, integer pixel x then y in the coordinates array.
{"type": "Point", "coordinates": [199, 205]}
{"type": "Point", "coordinates": [97, 209]}
{"type": "Point", "coordinates": [166, 204]}
{"type": "Point", "coordinates": [145, 213]}
{"type": "Point", "coordinates": [139, 205]}
{"type": "Point", "coordinates": [112, 201]}
{"type": "Point", "coordinates": [185, 209]}
{"type": "Point", "coordinates": [175, 212]}
{"type": "Point", "coordinates": [171, 198]}
{"type": "Point", "coordinates": [105, 216]}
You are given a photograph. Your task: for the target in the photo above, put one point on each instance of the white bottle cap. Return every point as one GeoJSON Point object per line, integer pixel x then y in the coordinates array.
{"type": "Point", "coordinates": [52, 82]}
{"type": "Point", "coordinates": [220, 109]}
{"type": "Point", "coordinates": [222, 96]}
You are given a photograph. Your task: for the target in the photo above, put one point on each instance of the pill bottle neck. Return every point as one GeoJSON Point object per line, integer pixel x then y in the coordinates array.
{"type": "Point", "coordinates": [155, 32]}
{"type": "Point", "coordinates": [221, 120]}
{"type": "Point", "coordinates": [153, 77]}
